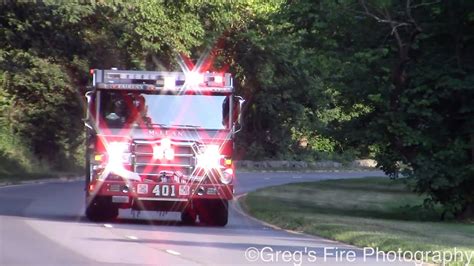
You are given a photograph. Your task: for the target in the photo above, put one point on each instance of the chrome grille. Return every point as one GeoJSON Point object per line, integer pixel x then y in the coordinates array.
{"type": "Point", "coordinates": [144, 164]}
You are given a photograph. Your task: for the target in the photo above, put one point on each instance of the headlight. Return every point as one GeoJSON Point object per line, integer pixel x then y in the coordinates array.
{"type": "Point", "coordinates": [118, 154]}
{"type": "Point", "coordinates": [210, 158]}
{"type": "Point", "coordinates": [227, 176]}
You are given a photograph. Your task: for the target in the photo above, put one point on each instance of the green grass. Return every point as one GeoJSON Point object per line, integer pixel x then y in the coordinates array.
{"type": "Point", "coordinates": [15, 171]}
{"type": "Point", "coordinates": [17, 163]}
{"type": "Point", "coordinates": [366, 212]}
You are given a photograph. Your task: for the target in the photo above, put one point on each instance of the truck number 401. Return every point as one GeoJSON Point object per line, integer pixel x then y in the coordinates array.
{"type": "Point", "coordinates": [164, 190]}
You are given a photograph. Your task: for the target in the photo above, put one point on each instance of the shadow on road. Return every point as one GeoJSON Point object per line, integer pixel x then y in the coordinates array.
{"type": "Point", "coordinates": [64, 202]}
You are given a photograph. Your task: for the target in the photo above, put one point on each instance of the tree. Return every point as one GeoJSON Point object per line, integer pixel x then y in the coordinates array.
{"type": "Point", "coordinates": [423, 117]}
{"type": "Point", "coordinates": [45, 55]}
{"type": "Point", "coordinates": [391, 79]}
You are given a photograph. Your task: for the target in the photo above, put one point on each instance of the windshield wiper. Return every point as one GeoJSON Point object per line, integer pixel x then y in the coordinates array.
{"type": "Point", "coordinates": [186, 126]}
{"type": "Point", "coordinates": [168, 126]}
{"type": "Point", "coordinates": [156, 125]}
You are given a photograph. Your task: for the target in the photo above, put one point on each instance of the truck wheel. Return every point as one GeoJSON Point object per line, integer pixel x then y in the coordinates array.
{"type": "Point", "coordinates": [188, 217]}
{"type": "Point", "coordinates": [213, 212]}
{"type": "Point", "coordinates": [101, 209]}
{"type": "Point", "coordinates": [88, 173]}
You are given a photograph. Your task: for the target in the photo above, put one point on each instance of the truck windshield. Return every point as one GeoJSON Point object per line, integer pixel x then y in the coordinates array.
{"type": "Point", "coordinates": [126, 109]}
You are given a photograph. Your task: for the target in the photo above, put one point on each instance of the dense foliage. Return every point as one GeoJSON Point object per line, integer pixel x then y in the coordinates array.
{"type": "Point", "coordinates": [392, 80]}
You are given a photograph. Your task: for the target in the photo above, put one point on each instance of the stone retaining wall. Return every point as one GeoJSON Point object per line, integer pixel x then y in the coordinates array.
{"type": "Point", "coordinates": [365, 163]}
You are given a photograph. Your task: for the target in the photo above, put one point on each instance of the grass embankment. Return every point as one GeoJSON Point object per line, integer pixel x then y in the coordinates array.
{"type": "Point", "coordinates": [12, 171]}
{"type": "Point", "coordinates": [366, 212]}
{"type": "Point", "coordinates": [18, 164]}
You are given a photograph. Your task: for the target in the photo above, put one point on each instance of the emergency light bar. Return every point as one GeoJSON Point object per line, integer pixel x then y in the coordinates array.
{"type": "Point", "coordinates": [162, 81]}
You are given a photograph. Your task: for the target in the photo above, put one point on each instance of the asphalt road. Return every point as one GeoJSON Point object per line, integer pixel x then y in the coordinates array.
{"type": "Point", "coordinates": [43, 224]}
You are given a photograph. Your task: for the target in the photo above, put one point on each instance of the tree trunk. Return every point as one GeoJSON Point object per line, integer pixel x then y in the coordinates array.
{"type": "Point", "coordinates": [472, 147]}
{"type": "Point", "coordinates": [467, 213]}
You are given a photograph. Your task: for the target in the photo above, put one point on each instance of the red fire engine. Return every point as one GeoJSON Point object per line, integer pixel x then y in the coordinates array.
{"type": "Point", "coordinates": [161, 141]}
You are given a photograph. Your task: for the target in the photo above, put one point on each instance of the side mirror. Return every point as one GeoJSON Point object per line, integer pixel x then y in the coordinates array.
{"type": "Point", "coordinates": [238, 121]}
{"type": "Point", "coordinates": [87, 120]}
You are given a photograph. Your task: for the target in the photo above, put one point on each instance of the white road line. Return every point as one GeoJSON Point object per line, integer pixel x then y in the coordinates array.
{"type": "Point", "coordinates": [296, 177]}
{"type": "Point", "coordinates": [20, 185]}
{"type": "Point", "coordinates": [170, 251]}
{"type": "Point", "coordinates": [238, 209]}
{"type": "Point", "coordinates": [132, 237]}
{"type": "Point", "coordinates": [108, 225]}
{"type": "Point", "coordinates": [267, 178]}
{"type": "Point", "coordinates": [8, 184]}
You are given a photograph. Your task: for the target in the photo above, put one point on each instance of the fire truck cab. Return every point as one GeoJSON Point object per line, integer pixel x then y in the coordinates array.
{"type": "Point", "coordinates": [161, 141]}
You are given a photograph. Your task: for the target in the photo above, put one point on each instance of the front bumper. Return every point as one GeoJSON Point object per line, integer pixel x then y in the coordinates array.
{"type": "Point", "coordinates": [159, 192]}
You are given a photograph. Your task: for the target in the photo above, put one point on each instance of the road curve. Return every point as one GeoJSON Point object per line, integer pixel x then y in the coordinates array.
{"type": "Point", "coordinates": [43, 224]}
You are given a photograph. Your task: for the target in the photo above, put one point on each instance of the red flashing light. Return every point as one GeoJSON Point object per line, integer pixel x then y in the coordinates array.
{"type": "Point", "coordinates": [163, 151]}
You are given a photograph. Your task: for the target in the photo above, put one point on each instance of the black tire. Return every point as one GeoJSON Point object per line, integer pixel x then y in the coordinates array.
{"type": "Point", "coordinates": [188, 217]}
{"type": "Point", "coordinates": [101, 209]}
{"type": "Point", "coordinates": [213, 212]}
{"type": "Point", "coordinates": [88, 173]}
{"type": "Point", "coordinates": [88, 167]}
